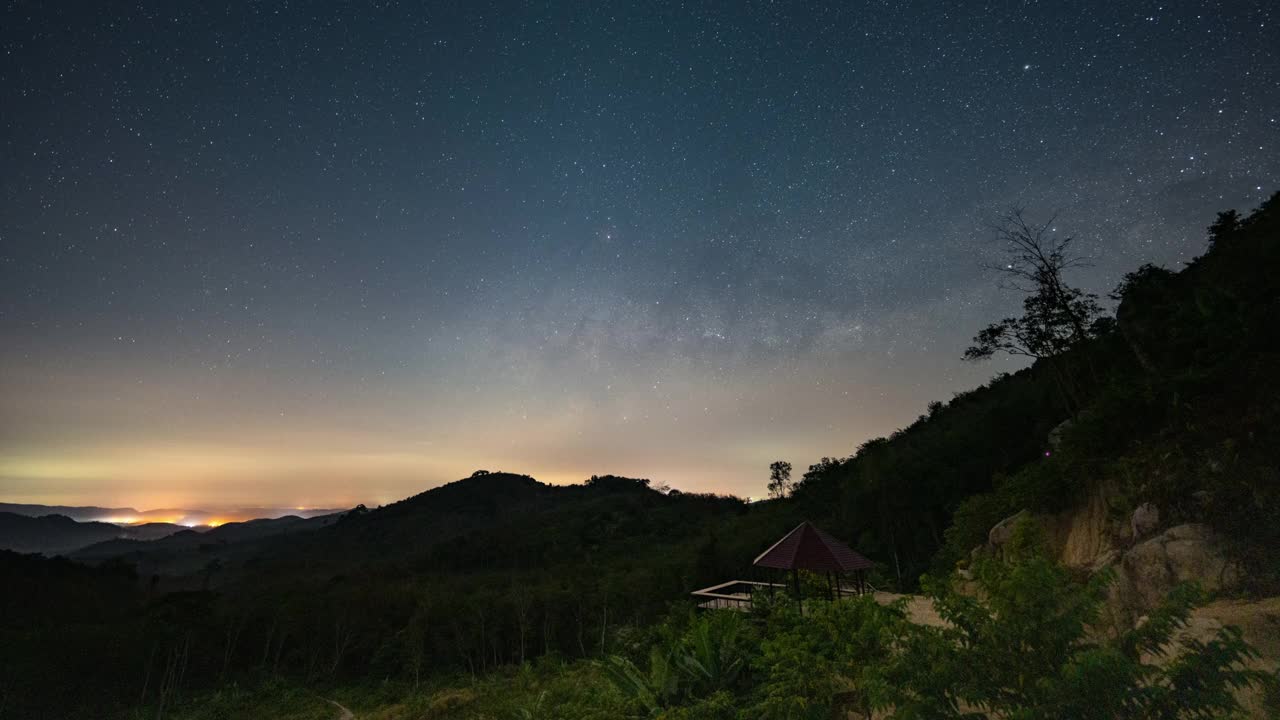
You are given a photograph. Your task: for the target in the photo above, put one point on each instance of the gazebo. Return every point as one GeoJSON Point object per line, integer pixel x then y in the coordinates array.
{"type": "Point", "coordinates": [804, 548]}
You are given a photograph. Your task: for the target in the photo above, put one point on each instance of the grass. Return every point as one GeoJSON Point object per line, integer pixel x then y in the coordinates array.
{"type": "Point", "coordinates": [545, 689]}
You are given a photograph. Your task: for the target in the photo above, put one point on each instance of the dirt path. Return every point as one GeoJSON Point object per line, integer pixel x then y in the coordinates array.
{"type": "Point", "coordinates": [920, 609]}
{"type": "Point", "coordinates": [344, 714]}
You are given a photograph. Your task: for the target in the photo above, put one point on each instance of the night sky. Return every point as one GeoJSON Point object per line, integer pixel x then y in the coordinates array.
{"type": "Point", "coordinates": [326, 253]}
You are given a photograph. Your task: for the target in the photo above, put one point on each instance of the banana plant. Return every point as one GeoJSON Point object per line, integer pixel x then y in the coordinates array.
{"type": "Point", "coordinates": [710, 656]}
{"type": "Point", "coordinates": [655, 690]}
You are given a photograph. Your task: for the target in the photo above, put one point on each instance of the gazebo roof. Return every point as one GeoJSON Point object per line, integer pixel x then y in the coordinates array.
{"type": "Point", "coordinates": [808, 548]}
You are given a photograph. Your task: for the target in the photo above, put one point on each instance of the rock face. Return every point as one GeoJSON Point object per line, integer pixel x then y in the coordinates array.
{"type": "Point", "coordinates": [1088, 536]}
{"type": "Point", "coordinates": [1186, 553]}
{"type": "Point", "coordinates": [1094, 536]}
{"type": "Point", "coordinates": [1091, 537]}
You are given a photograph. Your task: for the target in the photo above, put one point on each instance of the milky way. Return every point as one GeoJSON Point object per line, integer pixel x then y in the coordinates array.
{"type": "Point", "coordinates": [328, 252]}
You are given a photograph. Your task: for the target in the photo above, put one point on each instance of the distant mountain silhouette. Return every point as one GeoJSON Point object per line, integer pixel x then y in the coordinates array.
{"type": "Point", "coordinates": [188, 516]}
{"type": "Point", "coordinates": [87, 513]}
{"type": "Point", "coordinates": [354, 537]}
{"type": "Point", "coordinates": [188, 550]}
{"type": "Point", "coordinates": [59, 534]}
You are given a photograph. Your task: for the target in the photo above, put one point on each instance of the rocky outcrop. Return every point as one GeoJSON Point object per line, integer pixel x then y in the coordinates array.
{"type": "Point", "coordinates": [1147, 566]}
{"type": "Point", "coordinates": [1186, 553]}
{"type": "Point", "coordinates": [1088, 536]}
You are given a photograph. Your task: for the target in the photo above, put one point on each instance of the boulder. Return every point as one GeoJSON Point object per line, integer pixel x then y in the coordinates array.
{"type": "Point", "coordinates": [1146, 518]}
{"type": "Point", "coordinates": [1185, 553]}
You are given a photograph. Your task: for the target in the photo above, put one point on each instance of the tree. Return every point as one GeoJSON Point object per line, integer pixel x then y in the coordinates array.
{"type": "Point", "coordinates": [1056, 317]}
{"type": "Point", "coordinates": [780, 479]}
{"type": "Point", "coordinates": [416, 637]}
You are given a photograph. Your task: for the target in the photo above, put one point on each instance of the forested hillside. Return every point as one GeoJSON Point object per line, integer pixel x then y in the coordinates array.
{"type": "Point", "coordinates": [1175, 400]}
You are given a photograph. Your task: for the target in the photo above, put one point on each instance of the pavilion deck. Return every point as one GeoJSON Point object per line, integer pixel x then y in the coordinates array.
{"type": "Point", "coordinates": [739, 594]}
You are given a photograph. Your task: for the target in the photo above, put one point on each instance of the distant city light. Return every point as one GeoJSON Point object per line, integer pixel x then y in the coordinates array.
{"type": "Point", "coordinates": [119, 520]}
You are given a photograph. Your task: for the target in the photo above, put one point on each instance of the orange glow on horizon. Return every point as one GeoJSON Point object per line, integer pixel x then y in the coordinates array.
{"type": "Point", "coordinates": [323, 461]}
{"type": "Point", "coordinates": [122, 521]}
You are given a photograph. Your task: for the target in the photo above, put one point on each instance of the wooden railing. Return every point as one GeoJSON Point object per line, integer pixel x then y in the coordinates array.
{"type": "Point", "coordinates": [738, 594]}
{"type": "Point", "coordinates": [733, 595]}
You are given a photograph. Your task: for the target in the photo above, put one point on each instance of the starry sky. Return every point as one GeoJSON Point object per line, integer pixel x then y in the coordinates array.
{"type": "Point", "coordinates": [318, 253]}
